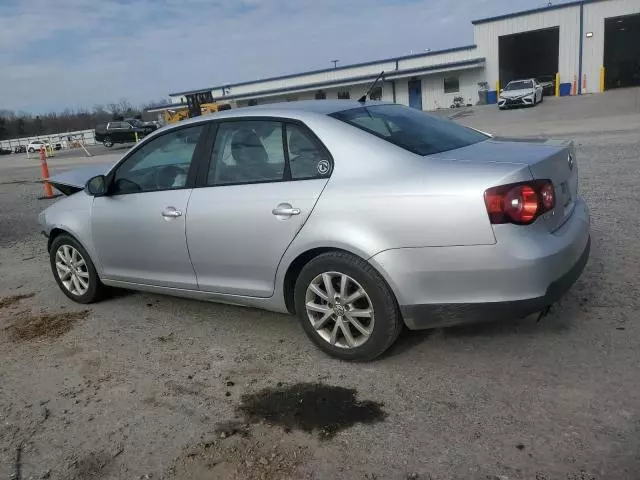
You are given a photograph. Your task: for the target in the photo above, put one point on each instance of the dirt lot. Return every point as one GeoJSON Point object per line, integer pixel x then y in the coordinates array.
{"type": "Point", "coordinates": [148, 387]}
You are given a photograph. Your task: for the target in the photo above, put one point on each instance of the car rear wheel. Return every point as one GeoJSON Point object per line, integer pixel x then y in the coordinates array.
{"type": "Point", "coordinates": [107, 142]}
{"type": "Point", "coordinates": [74, 271]}
{"type": "Point", "coordinates": [31, 150]}
{"type": "Point", "coordinates": [346, 308]}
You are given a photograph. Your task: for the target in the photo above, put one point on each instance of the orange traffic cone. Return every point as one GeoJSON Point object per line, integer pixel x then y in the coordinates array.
{"type": "Point", "coordinates": [44, 168]}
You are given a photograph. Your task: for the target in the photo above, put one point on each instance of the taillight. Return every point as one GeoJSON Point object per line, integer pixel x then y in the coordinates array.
{"type": "Point", "coordinates": [519, 203]}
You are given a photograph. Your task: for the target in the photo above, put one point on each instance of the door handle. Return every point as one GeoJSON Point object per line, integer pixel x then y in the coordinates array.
{"type": "Point", "coordinates": [285, 210]}
{"type": "Point", "coordinates": [171, 212]}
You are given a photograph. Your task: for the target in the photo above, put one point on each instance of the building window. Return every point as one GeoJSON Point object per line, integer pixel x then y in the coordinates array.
{"type": "Point", "coordinates": [344, 95]}
{"type": "Point", "coordinates": [376, 94]}
{"type": "Point", "coordinates": [291, 99]}
{"type": "Point", "coordinates": [321, 95]}
{"type": "Point", "coordinates": [253, 102]}
{"type": "Point", "coordinates": [451, 84]}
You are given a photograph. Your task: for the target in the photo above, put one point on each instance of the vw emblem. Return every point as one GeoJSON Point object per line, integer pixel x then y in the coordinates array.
{"type": "Point", "coordinates": [323, 167]}
{"type": "Point", "coordinates": [570, 160]}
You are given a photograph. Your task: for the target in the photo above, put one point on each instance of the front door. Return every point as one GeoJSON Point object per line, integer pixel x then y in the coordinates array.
{"type": "Point", "coordinates": [263, 181]}
{"type": "Point", "coordinates": [138, 229]}
{"type": "Point", "coordinates": [415, 94]}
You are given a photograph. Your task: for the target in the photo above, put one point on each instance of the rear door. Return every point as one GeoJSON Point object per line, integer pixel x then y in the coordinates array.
{"type": "Point", "coordinates": [258, 189]}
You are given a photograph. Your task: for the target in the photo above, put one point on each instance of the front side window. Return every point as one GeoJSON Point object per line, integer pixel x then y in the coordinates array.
{"type": "Point", "coordinates": [160, 164]}
{"type": "Point", "coordinates": [451, 85]}
{"type": "Point", "coordinates": [247, 152]}
{"type": "Point", "coordinates": [410, 129]}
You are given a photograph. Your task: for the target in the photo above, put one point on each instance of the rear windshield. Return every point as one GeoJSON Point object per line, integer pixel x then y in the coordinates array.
{"type": "Point", "coordinates": [410, 129]}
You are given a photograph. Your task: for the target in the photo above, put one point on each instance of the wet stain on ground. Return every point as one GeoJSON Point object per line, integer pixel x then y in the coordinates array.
{"type": "Point", "coordinates": [13, 299]}
{"type": "Point", "coordinates": [310, 407]}
{"type": "Point", "coordinates": [47, 325]}
{"type": "Point", "coordinates": [94, 465]}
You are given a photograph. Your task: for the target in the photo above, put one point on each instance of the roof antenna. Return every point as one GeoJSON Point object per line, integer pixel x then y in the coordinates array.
{"type": "Point", "coordinates": [363, 98]}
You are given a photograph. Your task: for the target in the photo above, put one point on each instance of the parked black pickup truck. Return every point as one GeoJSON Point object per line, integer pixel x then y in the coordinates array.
{"type": "Point", "coordinates": [118, 132]}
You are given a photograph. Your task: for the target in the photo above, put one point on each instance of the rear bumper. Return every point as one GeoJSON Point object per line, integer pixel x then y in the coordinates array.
{"type": "Point", "coordinates": [440, 315]}
{"type": "Point", "coordinates": [526, 270]}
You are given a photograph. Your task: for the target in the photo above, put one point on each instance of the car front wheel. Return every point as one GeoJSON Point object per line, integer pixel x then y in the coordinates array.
{"type": "Point", "coordinates": [346, 308]}
{"type": "Point", "coordinates": [74, 271]}
{"type": "Point", "coordinates": [107, 142]}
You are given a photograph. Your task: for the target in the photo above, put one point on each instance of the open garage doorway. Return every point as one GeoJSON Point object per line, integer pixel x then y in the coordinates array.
{"type": "Point", "coordinates": [622, 51]}
{"type": "Point", "coordinates": [530, 55]}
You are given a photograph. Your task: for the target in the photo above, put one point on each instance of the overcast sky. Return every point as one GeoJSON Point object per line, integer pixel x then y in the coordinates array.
{"type": "Point", "coordinates": [57, 54]}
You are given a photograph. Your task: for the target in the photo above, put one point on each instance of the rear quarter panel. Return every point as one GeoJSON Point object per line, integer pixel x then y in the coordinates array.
{"type": "Point", "coordinates": [382, 197]}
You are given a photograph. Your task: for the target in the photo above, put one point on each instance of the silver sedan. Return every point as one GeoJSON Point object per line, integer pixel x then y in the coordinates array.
{"type": "Point", "coordinates": [360, 218]}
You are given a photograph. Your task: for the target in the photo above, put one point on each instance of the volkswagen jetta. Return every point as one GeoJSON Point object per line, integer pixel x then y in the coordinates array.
{"type": "Point", "coordinates": [357, 217]}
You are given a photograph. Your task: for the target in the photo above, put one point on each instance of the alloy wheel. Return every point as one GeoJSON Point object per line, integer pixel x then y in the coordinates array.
{"type": "Point", "coordinates": [72, 270]}
{"type": "Point", "coordinates": [339, 309]}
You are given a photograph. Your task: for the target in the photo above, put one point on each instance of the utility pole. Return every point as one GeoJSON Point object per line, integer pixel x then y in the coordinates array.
{"type": "Point", "coordinates": [335, 63]}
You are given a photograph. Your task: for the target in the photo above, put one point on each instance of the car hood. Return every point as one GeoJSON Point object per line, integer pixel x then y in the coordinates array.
{"type": "Point", "coordinates": [517, 93]}
{"type": "Point", "coordinates": [72, 181]}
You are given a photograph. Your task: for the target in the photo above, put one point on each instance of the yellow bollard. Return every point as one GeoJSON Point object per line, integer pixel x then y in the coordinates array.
{"type": "Point", "coordinates": [557, 84]}
{"type": "Point", "coordinates": [602, 76]}
{"type": "Point", "coordinates": [136, 135]}
{"type": "Point", "coordinates": [498, 87]}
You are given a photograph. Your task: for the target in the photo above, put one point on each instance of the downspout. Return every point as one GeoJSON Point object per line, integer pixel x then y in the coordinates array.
{"type": "Point", "coordinates": [580, 53]}
{"type": "Point", "coordinates": [393, 85]}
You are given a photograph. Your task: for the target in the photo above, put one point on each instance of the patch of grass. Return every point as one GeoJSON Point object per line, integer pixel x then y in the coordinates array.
{"type": "Point", "coordinates": [47, 325]}
{"type": "Point", "coordinates": [8, 301]}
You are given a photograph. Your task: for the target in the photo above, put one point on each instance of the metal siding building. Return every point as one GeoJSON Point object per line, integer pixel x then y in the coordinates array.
{"type": "Point", "coordinates": [595, 14]}
{"type": "Point", "coordinates": [487, 35]}
{"type": "Point", "coordinates": [575, 49]}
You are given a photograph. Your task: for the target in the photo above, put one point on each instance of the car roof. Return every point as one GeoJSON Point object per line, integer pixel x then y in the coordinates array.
{"type": "Point", "coordinates": [282, 109]}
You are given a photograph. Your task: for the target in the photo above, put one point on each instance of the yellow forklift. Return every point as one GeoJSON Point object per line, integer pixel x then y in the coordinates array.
{"type": "Point", "coordinates": [199, 103]}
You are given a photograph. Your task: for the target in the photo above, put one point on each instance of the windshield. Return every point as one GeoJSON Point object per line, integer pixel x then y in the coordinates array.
{"type": "Point", "coordinates": [410, 129]}
{"type": "Point", "coordinates": [519, 85]}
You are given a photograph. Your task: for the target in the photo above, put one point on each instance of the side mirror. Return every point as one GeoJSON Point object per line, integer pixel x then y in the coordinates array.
{"type": "Point", "coordinates": [97, 186]}
{"type": "Point", "coordinates": [501, 90]}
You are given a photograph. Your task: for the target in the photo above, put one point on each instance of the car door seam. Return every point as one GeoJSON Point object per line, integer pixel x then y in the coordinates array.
{"type": "Point", "coordinates": [296, 235]}
{"type": "Point", "coordinates": [186, 238]}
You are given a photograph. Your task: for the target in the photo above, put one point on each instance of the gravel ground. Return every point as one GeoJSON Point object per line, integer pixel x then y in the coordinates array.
{"type": "Point", "coordinates": [144, 386]}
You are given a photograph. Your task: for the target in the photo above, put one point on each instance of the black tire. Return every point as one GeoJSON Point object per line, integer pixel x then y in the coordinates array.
{"type": "Point", "coordinates": [542, 97]}
{"type": "Point", "coordinates": [31, 150]}
{"type": "Point", "coordinates": [107, 142]}
{"type": "Point", "coordinates": [387, 319]}
{"type": "Point", "coordinates": [96, 289]}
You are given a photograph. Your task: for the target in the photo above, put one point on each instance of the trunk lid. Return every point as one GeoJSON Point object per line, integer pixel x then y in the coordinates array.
{"type": "Point", "coordinates": [554, 160]}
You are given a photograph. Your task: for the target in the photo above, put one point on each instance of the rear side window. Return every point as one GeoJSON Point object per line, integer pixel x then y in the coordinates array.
{"type": "Point", "coordinates": [247, 152]}
{"type": "Point", "coordinates": [410, 129]}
